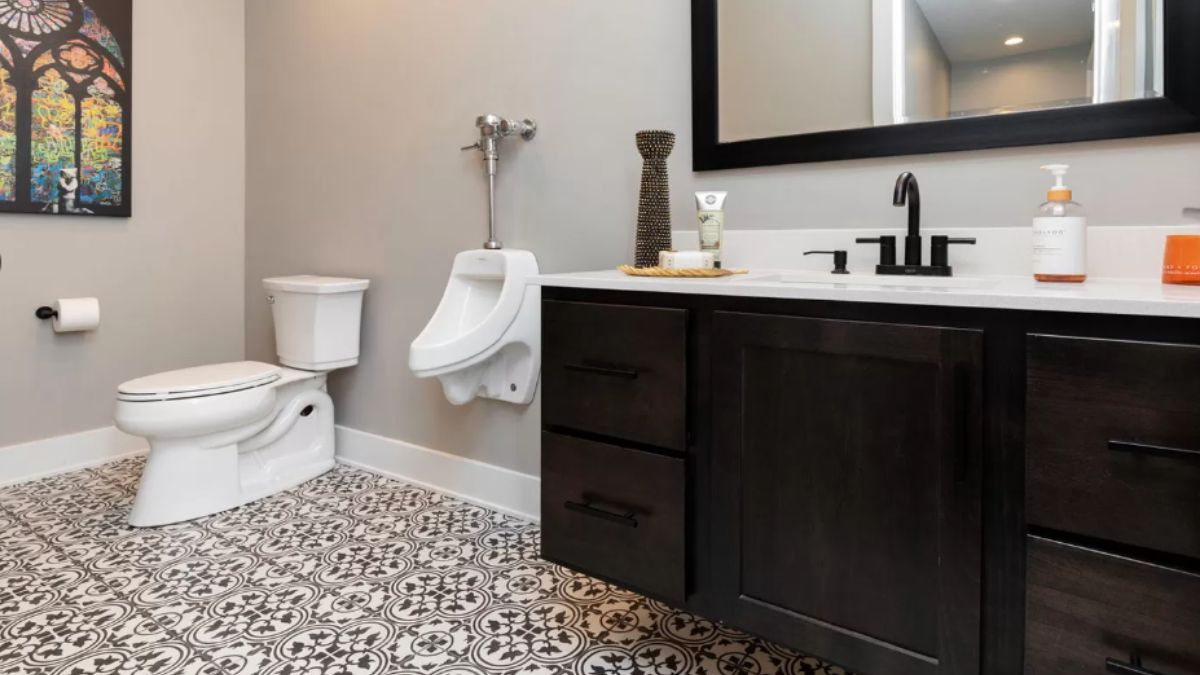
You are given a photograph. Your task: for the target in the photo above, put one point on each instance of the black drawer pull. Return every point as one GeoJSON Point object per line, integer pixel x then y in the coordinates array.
{"type": "Point", "coordinates": [1148, 449]}
{"type": "Point", "coordinates": [624, 517]}
{"type": "Point", "coordinates": [623, 373]}
{"type": "Point", "coordinates": [1134, 667]}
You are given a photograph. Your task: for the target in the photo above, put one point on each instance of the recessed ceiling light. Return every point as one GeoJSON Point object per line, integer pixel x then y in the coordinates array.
{"type": "Point", "coordinates": [1014, 41]}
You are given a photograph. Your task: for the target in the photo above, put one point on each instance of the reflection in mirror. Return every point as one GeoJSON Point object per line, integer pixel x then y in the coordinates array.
{"type": "Point", "coordinates": [790, 67]}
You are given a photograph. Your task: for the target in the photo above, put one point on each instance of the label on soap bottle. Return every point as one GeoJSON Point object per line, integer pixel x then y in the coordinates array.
{"type": "Point", "coordinates": [712, 230]}
{"type": "Point", "coordinates": [1060, 246]}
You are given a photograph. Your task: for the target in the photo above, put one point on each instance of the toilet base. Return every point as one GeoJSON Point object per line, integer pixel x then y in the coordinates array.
{"type": "Point", "coordinates": [190, 478]}
{"type": "Point", "coordinates": [176, 494]}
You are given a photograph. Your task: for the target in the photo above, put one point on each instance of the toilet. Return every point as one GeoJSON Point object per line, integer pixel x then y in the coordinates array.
{"type": "Point", "coordinates": [227, 434]}
{"type": "Point", "coordinates": [485, 338]}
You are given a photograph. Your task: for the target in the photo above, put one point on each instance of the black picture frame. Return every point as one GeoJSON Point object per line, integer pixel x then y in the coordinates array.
{"type": "Point", "coordinates": [1176, 112]}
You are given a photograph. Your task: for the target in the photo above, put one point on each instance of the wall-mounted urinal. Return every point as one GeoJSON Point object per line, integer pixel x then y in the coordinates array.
{"type": "Point", "coordinates": [485, 337]}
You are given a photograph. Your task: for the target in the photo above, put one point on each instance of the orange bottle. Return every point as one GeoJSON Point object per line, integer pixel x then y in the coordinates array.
{"type": "Point", "coordinates": [1181, 262]}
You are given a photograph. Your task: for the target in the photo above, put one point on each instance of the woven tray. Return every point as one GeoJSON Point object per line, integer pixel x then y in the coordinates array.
{"type": "Point", "coordinates": [690, 273]}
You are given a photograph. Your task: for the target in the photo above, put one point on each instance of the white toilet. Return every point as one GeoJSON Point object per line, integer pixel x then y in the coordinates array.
{"type": "Point", "coordinates": [224, 435]}
{"type": "Point", "coordinates": [485, 337]}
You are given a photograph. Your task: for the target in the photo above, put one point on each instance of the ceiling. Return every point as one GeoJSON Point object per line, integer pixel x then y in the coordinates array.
{"type": "Point", "coordinates": [975, 30]}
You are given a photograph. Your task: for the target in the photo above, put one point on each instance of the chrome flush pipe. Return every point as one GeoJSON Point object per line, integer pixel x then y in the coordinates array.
{"type": "Point", "coordinates": [491, 129]}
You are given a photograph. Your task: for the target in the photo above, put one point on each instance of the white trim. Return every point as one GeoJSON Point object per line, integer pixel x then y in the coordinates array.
{"type": "Point", "coordinates": [887, 59]}
{"type": "Point", "coordinates": [63, 454]}
{"type": "Point", "coordinates": [1107, 48]}
{"type": "Point", "coordinates": [899, 63]}
{"type": "Point", "coordinates": [487, 485]}
{"type": "Point", "coordinates": [1159, 49]}
{"type": "Point", "coordinates": [1141, 50]}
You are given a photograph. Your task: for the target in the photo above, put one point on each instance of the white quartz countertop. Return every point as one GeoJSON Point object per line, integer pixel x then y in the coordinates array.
{"type": "Point", "coordinates": [1096, 296]}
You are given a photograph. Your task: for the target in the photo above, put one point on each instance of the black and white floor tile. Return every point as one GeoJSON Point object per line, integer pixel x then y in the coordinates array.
{"type": "Point", "coordinates": [349, 574]}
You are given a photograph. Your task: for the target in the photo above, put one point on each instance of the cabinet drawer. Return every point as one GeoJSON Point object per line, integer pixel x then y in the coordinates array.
{"type": "Point", "coordinates": [1086, 607]}
{"type": "Point", "coordinates": [615, 513]}
{"type": "Point", "coordinates": [616, 370]}
{"type": "Point", "coordinates": [1113, 440]}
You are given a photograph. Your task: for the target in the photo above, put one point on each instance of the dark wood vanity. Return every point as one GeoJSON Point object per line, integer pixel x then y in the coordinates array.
{"type": "Point", "coordinates": [896, 489]}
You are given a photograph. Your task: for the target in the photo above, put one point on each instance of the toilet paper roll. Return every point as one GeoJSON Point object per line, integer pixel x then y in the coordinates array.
{"type": "Point", "coordinates": [76, 315]}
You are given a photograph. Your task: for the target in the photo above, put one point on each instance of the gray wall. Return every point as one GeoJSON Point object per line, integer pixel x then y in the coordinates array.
{"type": "Point", "coordinates": [793, 67]}
{"type": "Point", "coordinates": [356, 111]}
{"type": "Point", "coordinates": [170, 278]}
{"type": "Point", "coordinates": [926, 69]}
{"type": "Point", "coordinates": [1021, 81]}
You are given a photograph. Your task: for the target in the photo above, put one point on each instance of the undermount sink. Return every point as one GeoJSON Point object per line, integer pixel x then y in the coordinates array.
{"type": "Point", "coordinates": [883, 281]}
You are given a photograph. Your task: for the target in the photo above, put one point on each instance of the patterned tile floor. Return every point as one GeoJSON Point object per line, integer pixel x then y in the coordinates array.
{"type": "Point", "coordinates": [349, 574]}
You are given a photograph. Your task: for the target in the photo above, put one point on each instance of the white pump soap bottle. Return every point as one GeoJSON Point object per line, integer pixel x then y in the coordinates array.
{"type": "Point", "coordinates": [1060, 234]}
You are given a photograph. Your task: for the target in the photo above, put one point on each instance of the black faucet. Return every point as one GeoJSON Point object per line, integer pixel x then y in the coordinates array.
{"type": "Point", "coordinates": [909, 192]}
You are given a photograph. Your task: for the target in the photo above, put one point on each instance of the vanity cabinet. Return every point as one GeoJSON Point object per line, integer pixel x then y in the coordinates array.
{"type": "Point", "coordinates": [896, 489]}
{"type": "Point", "coordinates": [846, 474]}
{"type": "Point", "coordinates": [1113, 462]}
{"type": "Point", "coordinates": [615, 512]}
{"type": "Point", "coordinates": [1114, 441]}
{"type": "Point", "coordinates": [614, 406]}
{"type": "Point", "coordinates": [616, 370]}
{"type": "Point", "coordinates": [1094, 612]}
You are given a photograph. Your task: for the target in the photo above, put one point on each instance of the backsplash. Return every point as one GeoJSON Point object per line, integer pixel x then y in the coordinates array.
{"type": "Point", "coordinates": [1114, 252]}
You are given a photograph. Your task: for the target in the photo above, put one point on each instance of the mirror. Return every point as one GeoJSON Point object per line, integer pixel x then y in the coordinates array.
{"type": "Point", "coordinates": [785, 81]}
{"type": "Point", "coordinates": [789, 67]}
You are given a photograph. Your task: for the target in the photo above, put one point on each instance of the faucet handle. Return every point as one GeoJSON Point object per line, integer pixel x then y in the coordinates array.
{"type": "Point", "coordinates": [939, 255]}
{"type": "Point", "coordinates": [887, 248]}
{"type": "Point", "coordinates": [839, 260]}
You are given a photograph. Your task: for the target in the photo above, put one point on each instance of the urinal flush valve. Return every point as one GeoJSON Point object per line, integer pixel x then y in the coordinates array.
{"type": "Point", "coordinates": [492, 129]}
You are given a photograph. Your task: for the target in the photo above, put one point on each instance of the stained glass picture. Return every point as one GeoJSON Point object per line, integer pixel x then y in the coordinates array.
{"type": "Point", "coordinates": [65, 106]}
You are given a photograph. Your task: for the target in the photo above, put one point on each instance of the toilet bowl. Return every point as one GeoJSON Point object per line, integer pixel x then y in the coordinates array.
{"type": "Point", "coordinates": [227, 434]}
{"type": "Point", "coordinates": [485, 338]}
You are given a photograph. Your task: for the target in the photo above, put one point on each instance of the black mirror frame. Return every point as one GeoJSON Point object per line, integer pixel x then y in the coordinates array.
{"type": "Point", "coordinates": [1177, 112]}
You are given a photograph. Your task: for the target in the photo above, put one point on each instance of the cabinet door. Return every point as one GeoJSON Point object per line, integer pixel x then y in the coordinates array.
{"type": "Point", "coordinates": [846, 478]}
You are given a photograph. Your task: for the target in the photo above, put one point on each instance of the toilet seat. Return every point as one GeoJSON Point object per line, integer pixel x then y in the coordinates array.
{"type": "Point", "coordinates": [200, 381]}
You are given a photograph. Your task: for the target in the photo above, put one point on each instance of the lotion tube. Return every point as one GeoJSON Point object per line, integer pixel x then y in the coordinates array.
{"type": "Point", "coordinates": [710, 209]}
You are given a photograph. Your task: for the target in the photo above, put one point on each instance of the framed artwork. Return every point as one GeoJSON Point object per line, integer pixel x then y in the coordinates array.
{"type": "Point", "coordinates": [65, 92]}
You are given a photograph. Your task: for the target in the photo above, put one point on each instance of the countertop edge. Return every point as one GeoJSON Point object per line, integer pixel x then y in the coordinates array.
{"type": "Point", "coordinates": [1014, 299]}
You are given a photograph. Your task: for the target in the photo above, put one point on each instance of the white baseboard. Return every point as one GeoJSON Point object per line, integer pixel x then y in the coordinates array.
{"type": "Point", "coordinates": [473, 481]}
{"type": "Point", "coordinates": [487, 485]}
{"type": "Point", "coordinates": [62, 454]}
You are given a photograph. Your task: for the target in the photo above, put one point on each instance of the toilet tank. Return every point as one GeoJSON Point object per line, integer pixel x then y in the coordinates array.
{"type": "Point", "coordinates": [317, 320]}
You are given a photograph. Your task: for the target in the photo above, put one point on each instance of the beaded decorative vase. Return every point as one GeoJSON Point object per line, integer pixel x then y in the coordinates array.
{"type": "Point", "coordinates": [654, 203]}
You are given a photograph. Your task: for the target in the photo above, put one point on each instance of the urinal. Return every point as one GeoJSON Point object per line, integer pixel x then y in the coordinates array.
{"type": "Point", "coordinates": [485, 338]}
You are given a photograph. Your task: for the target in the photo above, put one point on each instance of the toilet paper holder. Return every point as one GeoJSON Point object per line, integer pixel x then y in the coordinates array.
{"type": "Point", "coordinates": [71, 315]}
